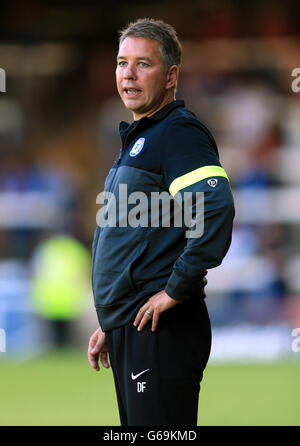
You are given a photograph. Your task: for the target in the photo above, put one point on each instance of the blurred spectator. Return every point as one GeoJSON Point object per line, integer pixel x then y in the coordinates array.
{"type": "Point", "coordinates": [60, 274]}
{"type": "Point", "coordinates": [36, 198]}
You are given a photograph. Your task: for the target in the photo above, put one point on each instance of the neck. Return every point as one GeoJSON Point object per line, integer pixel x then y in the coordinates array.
{"type": "Point", "coordinates": [166, 100]}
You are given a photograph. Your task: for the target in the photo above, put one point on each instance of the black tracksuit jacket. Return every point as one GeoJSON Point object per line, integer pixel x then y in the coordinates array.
{"type": "Point", "coordinates": [171, 152]}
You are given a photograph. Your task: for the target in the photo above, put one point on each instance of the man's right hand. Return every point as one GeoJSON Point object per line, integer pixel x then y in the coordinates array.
{"type": "Point", "coordinates": [97, 347]}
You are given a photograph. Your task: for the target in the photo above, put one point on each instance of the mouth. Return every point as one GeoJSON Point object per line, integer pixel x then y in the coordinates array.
{"type": "Point", "coordinates": [132, 92]}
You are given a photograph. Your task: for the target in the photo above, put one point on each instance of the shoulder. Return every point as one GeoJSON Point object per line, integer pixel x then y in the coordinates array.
{"type": "Point", "coordinates": [186, 145]}
{"type": "Point", "coordinates": [183, 126]}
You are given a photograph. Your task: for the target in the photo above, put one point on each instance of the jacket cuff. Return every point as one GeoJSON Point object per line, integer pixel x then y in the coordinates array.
{"type": "Point", "coordinates": [182, 287]}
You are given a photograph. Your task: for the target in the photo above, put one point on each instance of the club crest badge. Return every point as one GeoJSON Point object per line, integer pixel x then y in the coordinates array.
{"type": "Point", "coordinates": [139, 144]}
{"type": "Point", "coordinates": [212, 182]}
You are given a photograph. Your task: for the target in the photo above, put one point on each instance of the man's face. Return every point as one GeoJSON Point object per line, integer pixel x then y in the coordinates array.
{"type": "Point", "coordinates": [141, 81]}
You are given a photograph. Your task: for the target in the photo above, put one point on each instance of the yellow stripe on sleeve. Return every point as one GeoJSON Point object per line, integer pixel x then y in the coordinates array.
{"type": "Point", "coordinates": [194, 176]}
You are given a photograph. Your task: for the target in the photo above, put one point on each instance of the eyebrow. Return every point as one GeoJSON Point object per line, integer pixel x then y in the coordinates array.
{"type": "Point", "coordinates": [139, 58]}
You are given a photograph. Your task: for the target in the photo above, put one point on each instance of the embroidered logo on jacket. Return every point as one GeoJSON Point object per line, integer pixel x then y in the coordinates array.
{"type": "Point", "coordinates": [212, 182]}
{"type": "Point", "coordinates": [137, 147]}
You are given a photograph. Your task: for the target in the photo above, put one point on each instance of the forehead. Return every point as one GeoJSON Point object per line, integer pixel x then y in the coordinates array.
{"type": "Point", "coordinates": [139, 47]}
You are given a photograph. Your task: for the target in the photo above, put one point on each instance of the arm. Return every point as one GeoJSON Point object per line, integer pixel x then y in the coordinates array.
{"type": "Point", "coordinates": [190, 163]}
{"type": "Point", "coordinates": [191, 167]}
{"type": "Point", "coordinates": [203, 250]}
{"type": "Point", "coordinates": [208, 240]}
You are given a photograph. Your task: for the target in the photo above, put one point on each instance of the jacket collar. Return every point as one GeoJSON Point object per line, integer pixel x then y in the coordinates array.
{"type": "Point", "coordinates": [163, 112]}
{"type": "Point", "coordinates": [158, 116]}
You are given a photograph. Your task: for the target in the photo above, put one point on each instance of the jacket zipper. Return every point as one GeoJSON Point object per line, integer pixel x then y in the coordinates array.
{"type": "Point", "coordinates": [120, 156]}
{"type": "Point", "coordinates": [117, 165]}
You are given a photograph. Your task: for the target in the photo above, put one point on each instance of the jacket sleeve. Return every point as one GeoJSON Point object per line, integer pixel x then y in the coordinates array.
{"type": "Point", "coordinates": [194, 176]}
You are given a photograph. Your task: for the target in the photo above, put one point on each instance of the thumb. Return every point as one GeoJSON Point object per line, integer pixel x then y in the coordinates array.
{"type": "Point", "coordinates": [97, 347]}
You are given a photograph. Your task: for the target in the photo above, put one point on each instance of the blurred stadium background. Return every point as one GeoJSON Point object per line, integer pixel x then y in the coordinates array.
{"type": "Point", "coordinates": [58, 138]}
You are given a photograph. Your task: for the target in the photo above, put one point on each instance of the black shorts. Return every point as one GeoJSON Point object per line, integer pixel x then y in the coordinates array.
{"type": "Point", "coordinates": [157, 374]}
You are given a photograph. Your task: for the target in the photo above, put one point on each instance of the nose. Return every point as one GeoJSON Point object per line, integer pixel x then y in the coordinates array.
{"type": "Point", "coordinates": [129, 72]}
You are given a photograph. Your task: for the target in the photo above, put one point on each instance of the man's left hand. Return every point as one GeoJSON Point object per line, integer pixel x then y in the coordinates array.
{"type": "Point", "coordinates": [156, 305]}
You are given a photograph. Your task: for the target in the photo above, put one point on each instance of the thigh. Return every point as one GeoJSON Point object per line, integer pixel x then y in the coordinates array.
{"type": "Point", "coordinates": [159, 373]}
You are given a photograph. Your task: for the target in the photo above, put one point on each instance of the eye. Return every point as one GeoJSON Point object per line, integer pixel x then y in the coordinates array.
{"type": "Point", "coordinates": [144, 64]}
{"type": "Point", "coordinates": [121, 63]}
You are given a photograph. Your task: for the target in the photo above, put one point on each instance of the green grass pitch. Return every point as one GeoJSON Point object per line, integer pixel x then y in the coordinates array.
{"type": "Point", "coordinates": [61, 389]}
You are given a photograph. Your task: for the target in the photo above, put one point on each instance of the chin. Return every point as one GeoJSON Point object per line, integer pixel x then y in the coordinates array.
{"type": "Point", "coordinates": [132, 107]}
{"type": "Point", "coordinates": [131, 102]}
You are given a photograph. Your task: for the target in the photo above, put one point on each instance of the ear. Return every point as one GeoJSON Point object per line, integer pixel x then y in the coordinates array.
{"type": "Point", "coordinates": [172, 76]}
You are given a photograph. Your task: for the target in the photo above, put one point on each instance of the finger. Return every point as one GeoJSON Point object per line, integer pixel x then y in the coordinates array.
{"type": "Point", "coordinates": [95, 336]}
{"type": "Point", "coordinates": [155, 319]}
{"type": "Point", "coordinates": [137, 319]}
{"type": "Point", "coordinates": [98, 346]}
{"type": "Point", "coordinates": [146, 318]}
{"type": "Point", "coordinates": [93, 360]}
{"type": "Point", "coordinates": [104, 359]}
{"type": "Point", "coordinates": [93, 341]}
{"type": "Point", "coordinates": [93, 354]}
{"type": "Point", "coordinates": [140, 315]}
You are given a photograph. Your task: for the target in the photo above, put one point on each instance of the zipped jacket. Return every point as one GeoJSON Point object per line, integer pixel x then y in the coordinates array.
{"type": "Point", "coordinates": [136, 250]}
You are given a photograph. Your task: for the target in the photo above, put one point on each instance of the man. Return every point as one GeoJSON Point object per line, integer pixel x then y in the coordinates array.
{"type": "Point", "coordinates": [148, 279]}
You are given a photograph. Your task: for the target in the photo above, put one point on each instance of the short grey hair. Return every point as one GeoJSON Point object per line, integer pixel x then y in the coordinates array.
{"type": "Point", "coordinates": [170, 47]}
